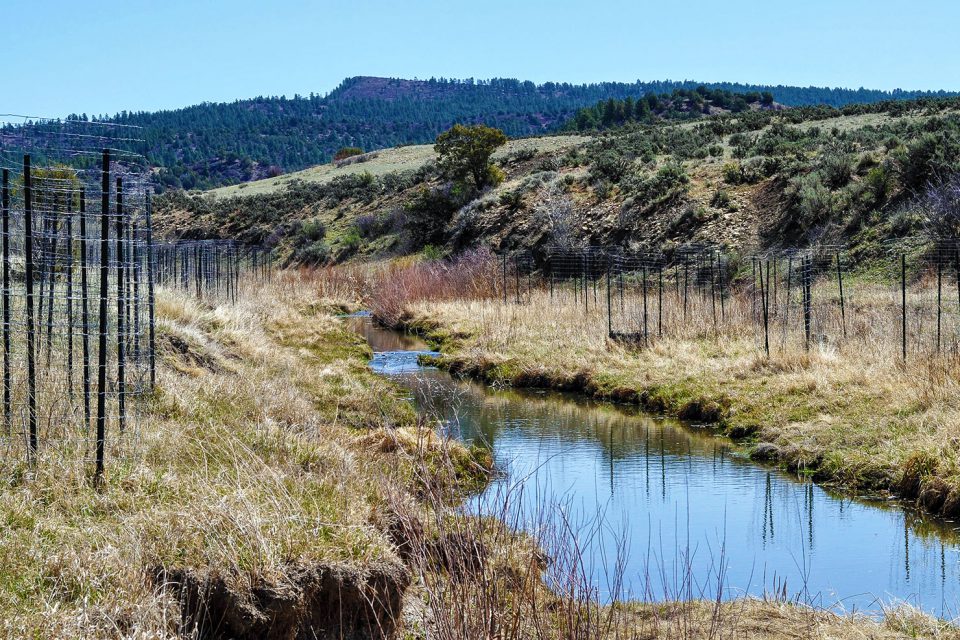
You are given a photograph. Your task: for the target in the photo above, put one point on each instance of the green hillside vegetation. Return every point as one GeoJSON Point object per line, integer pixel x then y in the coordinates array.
{"type": "Point", "coordinates": [750, 179]}
{"type": "Point", "coordinates": [215, 144]}
{"type": "Point", "coordinates": [682, 104]}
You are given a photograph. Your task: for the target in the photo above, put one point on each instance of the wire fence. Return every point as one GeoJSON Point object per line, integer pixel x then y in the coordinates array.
{"type": "Point", "coordinates": [212, 269]}
{"type": "Point", "coordinates": [80, 270]}
{"type": "Point", "coordinates": [77, 304]}
{"type": "Point", "coordinates": [906, 304]}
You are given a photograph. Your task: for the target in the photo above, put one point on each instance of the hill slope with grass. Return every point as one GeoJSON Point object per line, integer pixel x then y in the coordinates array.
{"type": "Point", "coordinates": [860, 176]}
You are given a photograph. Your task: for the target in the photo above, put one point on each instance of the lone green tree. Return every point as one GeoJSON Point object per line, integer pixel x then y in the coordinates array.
{"type": "Point", "coordinates": [465, 152]}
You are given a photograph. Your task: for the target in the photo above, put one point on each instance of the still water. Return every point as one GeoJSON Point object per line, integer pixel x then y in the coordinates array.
{"type": "Point", "coordinates": [691, 516]}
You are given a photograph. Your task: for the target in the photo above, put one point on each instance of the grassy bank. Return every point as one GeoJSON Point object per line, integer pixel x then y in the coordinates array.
{"type": "Point", "coordinates": [250, 499]}
{"type": "Point", "coordinates": [849, 413]}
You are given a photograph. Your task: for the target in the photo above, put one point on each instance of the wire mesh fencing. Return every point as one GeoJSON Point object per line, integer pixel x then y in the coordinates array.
{"type": "Point", "coordinates": [905, 304]}
{"type": "Point", "coordinates": [213, 270]}
{"type": "Point", "coordinates": [80, 270]}
{"type": "Point", "coordinates": [77, 303]}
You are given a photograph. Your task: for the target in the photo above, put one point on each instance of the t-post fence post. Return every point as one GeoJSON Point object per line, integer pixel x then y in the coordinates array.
{"type": "Point", "coordinates": [765, 307]}
{"type": "Point", "coordinates": [609, 306]}
{"type": "Point", "coordinates": [504, 278]}
{"type": "Point", "coordinates": [646, 332]}
{"type": "Point", "coordinates": [843, 308]}
{"type": "Point", "coordinates": [103, 320]}
{"type": "Point", "coordinates": [806, 278]}
{"type": "Point", "coordinates": [713, 293]}
{"type": "Point", "coordinates": [903, 306]}
{"type": "Point", "coordinates": [660, 300]}
{"type": "Point", "coordinates": [150, 294]}
{"type": "Point", "coordinates": [84, 310]}
{"type": "Point", "coordinates": [31, 321]}
{"type": "Point", "coordinates": [69, 267]}
{"type": "Point", "coordinates": [723, 311]}
{"type": "Point", "coordinates": [7, 412]}
{"type": "Point", "coordinates": [516, 273]}
{"type": "Point", "coordinates": [939, 297]}
{"type": "Point", "coordinates": [121, 312]}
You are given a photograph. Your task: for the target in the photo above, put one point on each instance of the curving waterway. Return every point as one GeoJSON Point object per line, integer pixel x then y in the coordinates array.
{"type": "Point", "coordinates": [688, 516]}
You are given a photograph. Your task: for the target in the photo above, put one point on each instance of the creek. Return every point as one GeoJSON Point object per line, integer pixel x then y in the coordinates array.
{"type": "Point", "coordinates": [684, 512]}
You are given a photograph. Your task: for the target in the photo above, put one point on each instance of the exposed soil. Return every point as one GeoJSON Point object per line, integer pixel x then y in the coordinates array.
{"type": "Point", "coordinates": [315, 602]}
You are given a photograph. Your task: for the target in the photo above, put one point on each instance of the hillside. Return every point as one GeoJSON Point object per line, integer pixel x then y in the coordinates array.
{"type": "Point", "coordinates": [755, 179]}
{"type": "Point", "coordinates": [215, 144]}
{"type": "Point", "coordinates": [397, 160]}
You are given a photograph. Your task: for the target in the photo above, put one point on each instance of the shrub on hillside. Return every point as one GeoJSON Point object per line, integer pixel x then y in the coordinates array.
{"type": "Point", "coordinates": [395, 181]}
{"type": "Point", "coordinates": [836, 169]}
{"type": "Point", "coordinates": [428, 213]}
{"type": "Point", "coordinates": [512, 200]}
{"type": "Point", "coordinates": [315, 253]}
{"type": "Point", "coordinates": [669, 182]}
{"type": "Point", "coordinates": [351, 241]}
{"type": "Point", "coordinates": [929, 157]}
{"type": "Point", "coordinates": [721, 199]}
{"type": "Point", "coordinates": [368, 225]}
{"type": "Point", "coordinates": [609, 166]}
{"type": "Point", "coordinates": [940, 207]}
{"type": "Point", "coordinates": [878, 182]}
{"type": "Point", "coordinates": [550, 163]}
{"type": "Point", "coordinates": [495, 176]}
{"type": "Point", "coordinates": [602, 190]}
{"type": "Point", "coordinates": [360, 186]}
{"type": "Point", "coordinates": [810, 202]}
{"type": "Point", "coordinates": [312, 230]}
{"type": "Point", "coordinates": [518, 156]}
{"type": "Point", "coordinates": [758, 168]}
{"type": "Point", "coordinates": [308, 243]}
{"type": "Point", "coordinates": [732, 173]}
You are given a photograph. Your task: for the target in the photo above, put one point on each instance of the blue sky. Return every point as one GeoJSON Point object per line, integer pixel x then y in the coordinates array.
{"type": "Point", "coordinates": [101, 56]}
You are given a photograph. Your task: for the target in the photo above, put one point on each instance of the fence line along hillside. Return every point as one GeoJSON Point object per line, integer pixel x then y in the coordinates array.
{"type": "Point", "coordinates": [212, 269]}
{"type": "Point", "coordinates": [905, 304]}
{"type": "Point", "coordinates": [79, 274]}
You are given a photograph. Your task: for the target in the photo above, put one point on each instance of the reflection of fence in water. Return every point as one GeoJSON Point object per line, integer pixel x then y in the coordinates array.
{"type": "Point", "coordinates": [792, 299]}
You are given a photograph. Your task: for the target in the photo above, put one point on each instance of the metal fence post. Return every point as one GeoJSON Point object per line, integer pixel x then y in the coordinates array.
{"type": "Point", "coordinates": [103, 320]}
{"type": "Point", "coordinates": [31, 321]}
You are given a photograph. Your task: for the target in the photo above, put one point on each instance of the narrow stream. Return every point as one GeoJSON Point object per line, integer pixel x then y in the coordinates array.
{"type": "Point", "coordinates": [692, 516]}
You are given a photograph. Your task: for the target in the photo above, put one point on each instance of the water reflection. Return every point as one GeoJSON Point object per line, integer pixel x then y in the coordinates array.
{"type": "Point", "coordinates": [688, 509]}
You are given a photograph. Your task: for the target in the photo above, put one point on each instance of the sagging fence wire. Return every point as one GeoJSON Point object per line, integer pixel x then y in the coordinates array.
{"type": "Point", "coordinates": [79, 274]}
{"type": "Point", "coordinates": [904, 304]}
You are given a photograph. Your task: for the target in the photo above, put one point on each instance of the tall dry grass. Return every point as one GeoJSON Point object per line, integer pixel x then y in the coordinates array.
{"type": "Point", "coordinates": [269, 447]}
{"type": "Point", "coordinates": [395, 286]}
{"type": "Point", "coordinates": [476, 577]}
{"type": "Point", "coordinates": [263, 455]}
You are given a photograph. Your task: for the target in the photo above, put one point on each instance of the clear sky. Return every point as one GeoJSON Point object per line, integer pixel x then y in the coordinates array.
{"type": "Point", "coordinates": [102, 56]}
